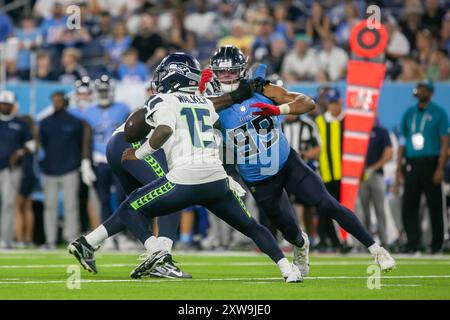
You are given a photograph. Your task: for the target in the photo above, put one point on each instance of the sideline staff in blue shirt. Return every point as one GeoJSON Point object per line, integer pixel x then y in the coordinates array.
{"type": "Point", "coordinates": [420, 165]}
{"type": "Point", "coordinates": [16, 141]}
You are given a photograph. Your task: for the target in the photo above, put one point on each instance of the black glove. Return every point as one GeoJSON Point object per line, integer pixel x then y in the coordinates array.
{"type": "Point", "coordinates": [258, 84]}
{"type": "Point", "coordinates": [243, 92]}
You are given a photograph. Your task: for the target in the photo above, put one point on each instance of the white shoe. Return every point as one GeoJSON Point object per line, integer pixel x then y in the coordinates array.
{"type": "Point", "coordinates": [301, 256]}
{"type": "Point", "coordinates": [294, 276]}
{"type": "Point", "coordinates": [384, 259]}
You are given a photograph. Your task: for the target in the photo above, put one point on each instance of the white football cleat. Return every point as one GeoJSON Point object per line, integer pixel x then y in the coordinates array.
{"type": "Point", "coordinates": [384, 259]}
{"type": "Point", "coordinates": [295, 276]}
{"type": "Point", "coordinates": [301, 256]}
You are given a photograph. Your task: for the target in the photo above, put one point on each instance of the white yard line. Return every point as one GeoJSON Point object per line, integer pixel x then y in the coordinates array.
{"type": "Point", "coordinates": [3, 281]}
{"type": "Point", "coordinates": [227, 264]}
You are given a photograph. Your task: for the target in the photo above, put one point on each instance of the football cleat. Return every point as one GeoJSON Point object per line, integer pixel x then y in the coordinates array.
{"type": "Point", "coordinates": [384, 259]}
{"type": "Point", "coordinates": [84, 253]}
{"type": "Point", "coordinates": [157, 258]}
{"type": "Point", "coordinates": [169, 270]}
{"type": "Point", "coordinates": [295, 276]}
{"type": "Point", "coordinates": [301, 256]}
{"type": "Point", "coordinates": [166, 270]}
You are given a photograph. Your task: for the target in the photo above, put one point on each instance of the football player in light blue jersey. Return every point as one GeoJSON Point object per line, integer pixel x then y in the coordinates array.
{"type": "Point", "coordinates": [104, 117]}
{"type": "Point", "coordinates": [270, 167]}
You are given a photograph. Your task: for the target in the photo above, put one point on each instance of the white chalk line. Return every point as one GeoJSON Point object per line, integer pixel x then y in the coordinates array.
{"type": "Point", "coordinates": [223, 279]}
{"type": "Point", "coordinates": [227, 264]}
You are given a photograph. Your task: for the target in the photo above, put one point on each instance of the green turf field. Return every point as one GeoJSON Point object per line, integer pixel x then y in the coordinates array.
{"type": "Point", "coordinates": [43, 275]}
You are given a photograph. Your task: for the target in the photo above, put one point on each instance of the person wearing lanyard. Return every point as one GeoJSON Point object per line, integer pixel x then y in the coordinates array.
{"type": "Point", "coordinates": [420, 166]}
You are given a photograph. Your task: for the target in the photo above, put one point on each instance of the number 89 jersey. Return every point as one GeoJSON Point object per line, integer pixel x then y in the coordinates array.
{"type": "Point", "coordinates": [192, 152]}
{"type": "Point", "coordinates": [259, 145]}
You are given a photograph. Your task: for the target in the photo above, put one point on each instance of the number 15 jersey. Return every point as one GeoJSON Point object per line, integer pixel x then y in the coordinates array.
{"type": "Point", "coordinates": [192, 151]}
{"type": "Point", "coordinates": [258, 142]}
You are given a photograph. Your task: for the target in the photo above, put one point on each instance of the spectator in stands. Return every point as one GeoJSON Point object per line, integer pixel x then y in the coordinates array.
{"type": "Point", "coordinates": [333, 59]}
{"type": "Point", "coordinates": [318, 25]}
{"type": "Point", "coordinates": [43, 67]}
{"type": "Point", "coordinates": [24, 203]}
{"type": "Point", "coordinates": [411, 70]}
{"type": "Point", "coordinates": [53, 27]}
{"type": "Point", "coordinates": [118, 43]}
{"type": "Point", "coordinates": [424, 142]}
{"type": "Point", "coordinates": [239, 37]}
{"type": "Point", "coordinates": [202, 22]}
{"type": "Point", "coordinates": [261, 45]}
{"type": "Point", "coordinates": [372, 187]}
{"type": "Point", "coordinates": [445, 33]}
{"type": "Point", "coordinates": [72, 70]}
{"type": "Point", "coordinates": [225, 17]}
{"type": "Point", "coordinates": [101, 26]}
{"type": "Point", "coordinates": [439, 66]}
{"type": "Point", "coordinates": [30, 38]}
{"type": "Point", "coordinates": [398, 45]}
{"type": "Point", "coordinates": [300, 63]}
{"type": "Point", "coordinates": [425, 45]}
{"type": "Point", "coordinates": [131, 70]}
{"type": "Point", "coordinates": [179, 38]}
{"type": "Point", "coordinates": [343, 30]}
{"type": "Point", "coordinates": [283, 26]}
{"type": "Point", "coordinates": [17, 141]}
{"type": "Point", "coordinates": [274, 61]}
{"type": "Point", "coordinates": [411, 24]}
{"type": "Point", "coordinates": [61, 138]}
{"type": "Point", "coordinates": [6, 27]}
{"type": "Point", "coordinates": [148, 42]}
{"type": "Point", "coordinates": [433, 16]}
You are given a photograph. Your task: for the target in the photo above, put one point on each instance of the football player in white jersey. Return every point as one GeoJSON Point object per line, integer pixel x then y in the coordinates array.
{"type": "Point", "coordinates": [183, 125]}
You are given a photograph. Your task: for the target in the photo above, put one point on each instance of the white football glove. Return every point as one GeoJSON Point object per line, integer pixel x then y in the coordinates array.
{"type": "Point", "coordinates": [87, 173]}
{"type": "Point", "coordinates": [236, 187]}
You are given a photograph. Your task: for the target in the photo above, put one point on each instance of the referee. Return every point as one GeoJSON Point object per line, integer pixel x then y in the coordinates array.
{"type": "Point", "coordinates": [421, 160]}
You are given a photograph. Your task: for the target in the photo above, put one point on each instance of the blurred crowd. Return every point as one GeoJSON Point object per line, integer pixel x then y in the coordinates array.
{"type": "Point", "coordinates": [299, 40]}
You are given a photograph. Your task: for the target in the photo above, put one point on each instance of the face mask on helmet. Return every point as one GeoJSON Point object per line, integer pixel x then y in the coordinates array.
{"type": "Point", "coordinates": [229, 65]}
{"type": "Point", "coordinates": [104, 91]}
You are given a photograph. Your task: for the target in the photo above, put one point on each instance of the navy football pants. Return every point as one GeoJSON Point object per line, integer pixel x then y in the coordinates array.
{"type": "Point", "coordinates": [133, 175]}
{"type": "Point", "coordinates": [162, 197]}
{"type": "Point", "coordinates": [298, 179]}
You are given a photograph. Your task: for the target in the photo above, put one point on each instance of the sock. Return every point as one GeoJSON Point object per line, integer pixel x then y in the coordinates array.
{"type": "Point", "coordinates": [151, 244]}
{"type": "Point", "coordinates": [164, 243]}
{"type": "Point", "coordinates": [373, 248]}
{"type": "Point", "coordinates": [185, 237]}
{"type": "Point", "coordinates": [97, 236]}
{"type": "Point", "coordinates": [285, 267]}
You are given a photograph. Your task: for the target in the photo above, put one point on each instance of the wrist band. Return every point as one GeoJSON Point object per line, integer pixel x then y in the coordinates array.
{"type": "Point", "coordinates": [284, 108]}
{"type": "Point", "coordinates": [144, 150]}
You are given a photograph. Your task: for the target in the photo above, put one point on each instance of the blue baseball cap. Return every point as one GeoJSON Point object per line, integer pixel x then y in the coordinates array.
{"type": "Point", "coordinates": [332, 95]}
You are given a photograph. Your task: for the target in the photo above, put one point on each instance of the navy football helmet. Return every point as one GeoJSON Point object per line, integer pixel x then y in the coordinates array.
{"type": "Point", "coordinates": [177, 72]}
{"type": "Point", "coordinates": [229, 65]}
{"type": "Point", "coordinates": [104, 89]}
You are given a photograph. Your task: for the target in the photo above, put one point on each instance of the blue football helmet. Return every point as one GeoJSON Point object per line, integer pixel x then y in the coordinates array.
{"type": "Point", "coordinates": [177, 72]}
